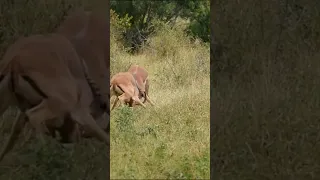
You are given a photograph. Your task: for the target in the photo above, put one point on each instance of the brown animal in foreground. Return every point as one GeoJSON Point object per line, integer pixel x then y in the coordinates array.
{"type": "Point", "coordinates": [123, 85]}
{"type": "Point", "coordinates": [141, 76]}
{"type": "Point", "coordinates": [44, 76]}
{"type": "Point", "coordinates": [89, 34]}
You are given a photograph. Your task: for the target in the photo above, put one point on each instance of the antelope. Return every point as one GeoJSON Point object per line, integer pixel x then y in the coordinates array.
{"type": "Point", "coordinates": [88, 32]}
{"type": "Point", "coordinates": [141, 76]}
{"type": "Point", "coordinates": [123, 85]}
{"type": "Point", "coordinates": [44, 76]}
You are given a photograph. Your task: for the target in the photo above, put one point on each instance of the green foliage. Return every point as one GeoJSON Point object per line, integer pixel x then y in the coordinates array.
{"type": "Point", "coordinates": [20, 19]}
{"type": "Point", "coordinates": [145, 13]}
{"type": "Point", "coordinates": [124, 119]}
{"type": "Point", "coordinates": [118, 27]}
{"type": "Point", "coordinates": [47, 159]}
{"type": "Point", "coordinates": [200, 26]}
{"type": "Point", "coordinates": [119, 24]}
{"type": "Point", "coordinates": [167, 41]}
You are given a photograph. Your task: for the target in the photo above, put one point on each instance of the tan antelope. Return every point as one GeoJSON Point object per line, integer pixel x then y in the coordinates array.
{"type": "Point", "coordinates": [141, 76]}
{"type": "Point", "coordinates": [123, 85]}
{"type": "Point", "coordinates": [44, 76]}
{"type": "Point", "coordinates": [89, 33]}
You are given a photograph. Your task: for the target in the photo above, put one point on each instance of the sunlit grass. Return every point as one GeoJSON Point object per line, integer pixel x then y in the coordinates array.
{"type": "Point", "coordinates": [172, 138]}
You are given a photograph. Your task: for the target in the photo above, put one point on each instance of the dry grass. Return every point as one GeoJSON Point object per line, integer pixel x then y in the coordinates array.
{"type": "Point", "coordinates": [267, 96]}
{"type": "Point", "coordinates": [171, 139]}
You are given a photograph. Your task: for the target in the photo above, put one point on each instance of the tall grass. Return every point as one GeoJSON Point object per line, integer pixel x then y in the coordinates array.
{"type": "Point", "coordinates": [170, 139]}
{"type": "Point", "coordinates": [267, 96]}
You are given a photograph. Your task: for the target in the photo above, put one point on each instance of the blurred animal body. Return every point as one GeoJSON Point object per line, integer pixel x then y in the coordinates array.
{"type": "Point", "coordinates": [44, 76]}
{"type": "Point", "coordinates": [88, 32]}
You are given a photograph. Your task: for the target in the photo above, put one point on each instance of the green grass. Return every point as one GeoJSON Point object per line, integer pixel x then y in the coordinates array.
{"type": "Point", "coordinates": [170, 139]}
{"type": "Point", "coordinates": [268, 128]}
{"type": "Point", "coordinates": [30, 160]}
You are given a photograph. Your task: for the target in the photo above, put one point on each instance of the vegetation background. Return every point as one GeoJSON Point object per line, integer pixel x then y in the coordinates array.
{"type": "Point", "coordinates": [170, 139]}
{"type": "Point", "coordinates": [29, 160]}
{"type": "Point", "coordinates": [266, 89]}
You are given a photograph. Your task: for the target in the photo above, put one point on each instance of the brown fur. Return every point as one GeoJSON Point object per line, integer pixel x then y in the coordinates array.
{"type": "Point", "coordinates": [88, 32]}
{"type": "Point", "coordinates": [123, 85]}
{"type": "Point", "coordinates": [141, 76]}
{"type": "Point", "coordinates": [44, 76]}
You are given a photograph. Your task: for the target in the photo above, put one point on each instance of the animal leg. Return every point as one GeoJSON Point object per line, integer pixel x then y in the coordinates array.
{"type": "Point", "coordinates": [135, 98]}
{"type": "Point", "coordinates": [146, 97]}
{"type": "Point", "coordinates": [146, 84]}
{"type": "Point", "coordinates": [149, 100]}
{"type": "Point", "coordinates": [140, 84]}
{"type": "Point", "coordinates": [69, 131]}
{"type": "Point", "coordinates": [103, 122]}
{"type": "Point", "coordinates": [131, 103]}
{"type": "Point", "coordinates": [115, 103]}
{"type": "Point", "coordinates": [84, 118]}
{"type": "Point", "coordinates": [38, 116]}
{"type": "Point", "coordinates": [17, 127]}
{"type": "Point", "coordinates": [123, 99]}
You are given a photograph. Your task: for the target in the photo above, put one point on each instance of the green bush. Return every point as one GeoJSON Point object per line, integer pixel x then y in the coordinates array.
{"type": "Point", "coordinates": [143, 14]}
